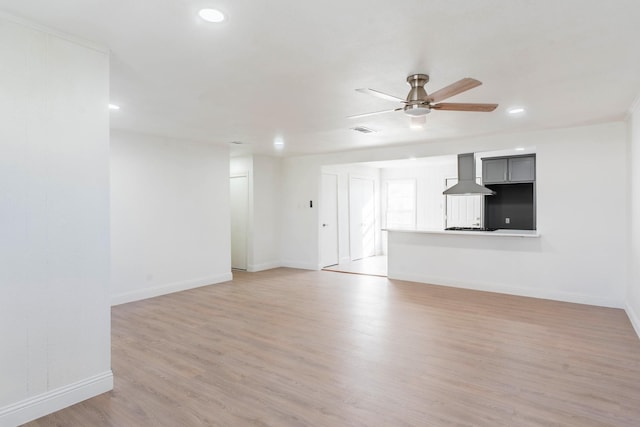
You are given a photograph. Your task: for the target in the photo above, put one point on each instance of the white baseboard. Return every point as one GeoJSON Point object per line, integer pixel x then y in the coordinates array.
{"type": "Point", "coordinates": [264, 266]}
{"type": "Point", "coordinates": [55, 400]}
{"type": "Point", "coordinates": [300, 265]}
{"type": "Point", "coordinates": [512, 290]}
{"type": "Point", "coordinates": [154, 291]}
{"type": "Point", "coordinates": [634, 318]}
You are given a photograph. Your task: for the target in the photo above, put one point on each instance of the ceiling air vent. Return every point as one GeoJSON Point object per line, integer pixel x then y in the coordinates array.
{"type": "Point", "coordinates": [363, 129]}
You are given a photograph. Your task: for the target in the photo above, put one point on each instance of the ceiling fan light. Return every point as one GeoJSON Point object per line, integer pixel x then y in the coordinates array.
{"type": "Point", "coordinates": [418, 122]}
{"type": "Point", "coordinates": [417, 110]}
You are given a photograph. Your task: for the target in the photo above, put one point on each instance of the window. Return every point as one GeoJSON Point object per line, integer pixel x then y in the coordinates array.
{"type": "Point", "coordinates": [400, 209]}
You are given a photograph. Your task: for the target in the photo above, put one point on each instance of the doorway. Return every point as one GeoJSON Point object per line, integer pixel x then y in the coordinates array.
{"type": "Point", "coordinates": [362, 243]}
{"type": "Point", "coordinates": [356, 213]}
{"type": "Point", "coordinates": [239, 195]}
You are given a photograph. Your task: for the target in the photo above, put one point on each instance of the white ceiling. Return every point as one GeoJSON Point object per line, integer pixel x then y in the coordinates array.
{"type": "Point", "coordinates": [288, 68]}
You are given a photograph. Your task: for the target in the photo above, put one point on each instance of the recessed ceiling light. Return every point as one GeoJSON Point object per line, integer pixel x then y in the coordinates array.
{"type": "Point", "coordinates": [515, 110]}
{"type": "Point", "coordinates": [279, 144]}
{"type": "Point", "coordinates": [519, 149]}
{"type": "Point", "coordinates": [114, 107]}
{"type": "Point", "coordinates": [211, 15]}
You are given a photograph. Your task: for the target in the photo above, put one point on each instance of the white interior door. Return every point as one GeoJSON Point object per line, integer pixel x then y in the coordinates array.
{"type": "Point", "coordinates": [239, 192]}
{"type": "Point", "coordinates": [329, 220]}
{"type": "Point", "coordinates": [463, 211]}
{"type": "Point", "coordinates": [361, 218]}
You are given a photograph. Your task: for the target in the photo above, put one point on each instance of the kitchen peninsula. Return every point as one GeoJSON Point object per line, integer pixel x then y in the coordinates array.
{"type": "Point", "coordinates": [498, 261]}
{"type": "Point", "coordinates": [496, 251]}
{"type": "Point", "coordinates": [479, 232]}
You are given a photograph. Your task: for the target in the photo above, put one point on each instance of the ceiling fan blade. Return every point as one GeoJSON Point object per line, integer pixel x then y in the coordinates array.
{"type": "Point", "coordinates": [454, 89]}
{"type": "Point", "coordinates": [380, 94]}
{"type": "Point", "coordinates": [455, 106]}
{"type": "Point", "coordinates": [357, 116]}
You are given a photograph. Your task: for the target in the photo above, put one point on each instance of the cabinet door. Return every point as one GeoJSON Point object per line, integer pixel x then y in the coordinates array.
{"type": "Point", "coordinates": [522, 169]}
{"type": "Point", "coordinates": [494, 171]}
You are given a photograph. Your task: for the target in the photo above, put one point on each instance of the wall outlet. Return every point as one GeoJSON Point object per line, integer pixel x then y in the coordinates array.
{"type": "Point", "coordinates": [507, 220]}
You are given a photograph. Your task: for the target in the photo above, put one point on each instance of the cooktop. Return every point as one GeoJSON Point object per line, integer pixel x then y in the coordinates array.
{"type": "Point", "coordinates": [470, 229]}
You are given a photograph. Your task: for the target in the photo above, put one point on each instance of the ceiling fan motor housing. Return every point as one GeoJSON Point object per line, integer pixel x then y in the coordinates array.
{"type": "Point", "coordinates": [417, 110]}
{"type": "Point", "coordinates": [417, 103]}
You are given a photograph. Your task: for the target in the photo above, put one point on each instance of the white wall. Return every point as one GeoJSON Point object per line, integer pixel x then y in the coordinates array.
{"type": "Point", "coordinates": [266, 213]}
{"type": "Point", "coordinates": [344, 173]}
{"type": "Point", "coordinates": [170, 224]}
{"type": "Point", "coordinates": [633, 292]}
{"type": "Point", "coordinates": [264, 172]}
{"type": "Point", "coordinates": [582, 207]}
{"type": "Point", "coordinates": [430, 183]}
{"type": "Point", "coordinates": [54, 222]}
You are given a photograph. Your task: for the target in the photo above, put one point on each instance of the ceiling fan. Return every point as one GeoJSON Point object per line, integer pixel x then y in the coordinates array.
{"type": "Point", "coordinates": [419, 103]}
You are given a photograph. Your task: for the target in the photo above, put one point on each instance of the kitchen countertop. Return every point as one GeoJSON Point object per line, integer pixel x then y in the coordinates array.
{"type": "Point", "coordinates": [497, 233]}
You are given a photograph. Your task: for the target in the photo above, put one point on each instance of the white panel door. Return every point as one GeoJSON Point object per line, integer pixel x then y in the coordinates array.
{"type": "Point", "coordinates": [239, 191]}
{"type": "Point", "coordinates": [329, 220]}
{"type": "Point", "coordinates": [361, 218]}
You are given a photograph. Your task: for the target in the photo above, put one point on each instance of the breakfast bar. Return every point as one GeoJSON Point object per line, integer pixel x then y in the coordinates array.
{"type": "Point", "coordinates": [507, 261]}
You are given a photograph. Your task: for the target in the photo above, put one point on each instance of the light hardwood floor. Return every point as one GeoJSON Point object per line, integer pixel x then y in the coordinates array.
{"type": "Point", "coordinates": [373, 266]}
{"type": "Point", "coordinates": [314, 348]}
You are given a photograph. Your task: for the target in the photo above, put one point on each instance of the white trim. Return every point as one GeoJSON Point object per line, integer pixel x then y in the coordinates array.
{"type": "Point", "coordinates": [55, 400]}
{"type": "Point", "coordinates": [168, 288]}
{"type": "Point", "coordinates": [264, 266]}
{"type": "Point", "coordinates": [57, 33]}
{"type": "Point", "coordinates": [634, 318]}
{"type": "Point", "coordinates": [511, 290]}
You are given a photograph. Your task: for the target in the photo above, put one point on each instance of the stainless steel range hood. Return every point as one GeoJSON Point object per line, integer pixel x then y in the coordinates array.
{"type": "Point", "coordinates": [467, 184]}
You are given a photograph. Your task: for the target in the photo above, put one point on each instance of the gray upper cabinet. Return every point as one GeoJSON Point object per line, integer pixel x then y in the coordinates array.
{"type": "Point", "coordinates": [501, 170]}
{"type": "Point", "coordinates": [494, 170]}
{"type": "Point", "coordinates": [522, 169]}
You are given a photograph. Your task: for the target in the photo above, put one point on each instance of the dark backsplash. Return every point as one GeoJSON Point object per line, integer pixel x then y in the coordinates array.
{"type": "Point", "coordinates": [513, 201]}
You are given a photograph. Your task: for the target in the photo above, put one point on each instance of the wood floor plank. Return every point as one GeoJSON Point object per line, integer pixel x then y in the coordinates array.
{"type": "Point", "coordinates": [291, 347]}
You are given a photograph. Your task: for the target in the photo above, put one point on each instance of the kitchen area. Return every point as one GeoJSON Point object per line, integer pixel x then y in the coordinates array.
{"type": "Point", "coordinates": [574, 247]}
{"type": "Point", "coordinates": [506, 190]}
{"type": "Point", "coordinates": [489, 192]}
{"type": "Point", "coordinates": [492, 192]}
{"type": "Point", "coordinates": [489, 233]}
